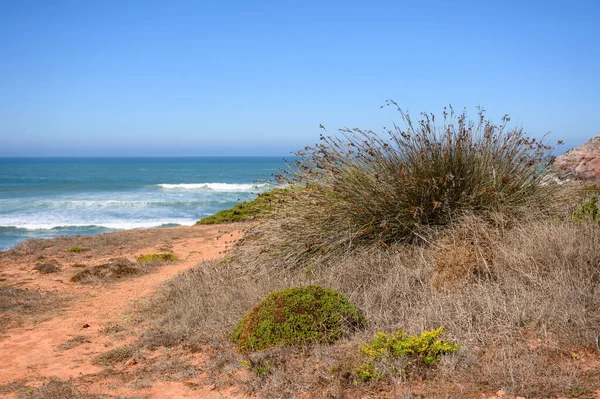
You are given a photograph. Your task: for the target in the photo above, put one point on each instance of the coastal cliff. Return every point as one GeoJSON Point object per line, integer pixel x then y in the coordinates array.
{"type": "Point", "coordinates": [580, 163]}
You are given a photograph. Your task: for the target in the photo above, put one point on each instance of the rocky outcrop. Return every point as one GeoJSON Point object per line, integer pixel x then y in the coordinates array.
{"type": "Point", "coordinates": [581, 163]}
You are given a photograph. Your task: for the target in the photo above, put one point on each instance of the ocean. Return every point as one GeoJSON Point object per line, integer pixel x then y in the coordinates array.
{"type": "Point", "coordinates": [50, 197]}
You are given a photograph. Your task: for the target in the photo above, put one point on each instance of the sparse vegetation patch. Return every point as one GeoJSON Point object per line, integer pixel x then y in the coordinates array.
{"type": "Point", "coordinates": [114, 356]}
{"type": "Point", "coordinates": [55, 389]}
{"type": "Point", "coordinates": [17, 302]}
{"type": "Point", "coordinates": [46, 268]}
{"type": "Point", "coordinates": [153, 258]}
{"type": "Point", "coordinates": [115, 269]}
{"type": "Point", "coordinates": [73, 342]}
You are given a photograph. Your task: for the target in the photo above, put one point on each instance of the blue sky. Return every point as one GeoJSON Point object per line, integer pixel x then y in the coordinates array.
{"type": "Point", "coordinates": [175, 77]}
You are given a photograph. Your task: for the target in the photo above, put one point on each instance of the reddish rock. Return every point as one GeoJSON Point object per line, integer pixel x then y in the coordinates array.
{"type": "Point", "coordinates": [581, 163]}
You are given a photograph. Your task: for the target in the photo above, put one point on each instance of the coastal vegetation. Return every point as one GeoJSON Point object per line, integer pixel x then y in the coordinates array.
{"type": "Point", "coordinates": [247, 210]}
{"type": "Point", "coordinates": [114, 269]}
{"type": "Point", "coordinates": [154, 258]}
{"type": "Point", "coordinates": [430, 261]}
{"type": "Point", "coordinates": [16, 302]}
{"type": "Point", "coordinates": [428, 229]}
{"type": "Point", "coordinates": [297, 316]}
{"type": "Point", "coordinates": [390, 355]}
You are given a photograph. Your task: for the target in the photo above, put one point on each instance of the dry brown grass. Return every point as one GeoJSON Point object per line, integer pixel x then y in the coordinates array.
{"type": "Point", "coordinates": [115, 269]}
{"type": "Point", "coordinates": [55, 389]}
{"type": "Point", "coordinates": [15, 303]}
{"type": "Point", "coordinates": [522, 299]}
{"type": "Point", "coordinates": [46, 268]}
{"type": "Point", "coordinates": [114, 356]}
{"type": "Point", "coordinates": [73, 342]}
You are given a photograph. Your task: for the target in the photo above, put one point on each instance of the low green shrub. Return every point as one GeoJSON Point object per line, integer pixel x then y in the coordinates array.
{"type": "Point", "coordinates": [75, 249]}
{"type": "Point", "coordinates": [258, 207]}
{"type": "Point", "coordinates": [297, 316]}
{"type": "Point", "coordinates": [396, 354]}
{"type": "Point", "coordinates": [588, 211]}
{"type": "Point", "coordinates": [163, 257]}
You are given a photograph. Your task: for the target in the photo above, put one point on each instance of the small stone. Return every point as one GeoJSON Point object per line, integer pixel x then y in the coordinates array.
{"type": "Point", "coordinates": [86, 325]}
{"type": "Point", "coordinates": [500, 393]}
{"type": "Point", "coordinates": [131, 362]}
{"type": "Point", "coordinates": [212, 387]}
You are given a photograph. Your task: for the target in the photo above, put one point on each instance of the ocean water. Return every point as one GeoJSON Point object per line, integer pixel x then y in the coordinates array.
{"type": "Point", "coordinates": [49, 197]}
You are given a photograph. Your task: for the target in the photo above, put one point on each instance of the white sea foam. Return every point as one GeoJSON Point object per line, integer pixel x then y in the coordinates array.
{"type": "Point", "coordinates": [121, 225]}
{"type": "Point", "coordinates": [223, 187]}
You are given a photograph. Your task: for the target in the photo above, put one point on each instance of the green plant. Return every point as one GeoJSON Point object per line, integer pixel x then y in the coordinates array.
{"type": "Point", "coordinates": [75, 249]}
{"type": "Point", "coordinates": [396, 354]}
{"type": "Point", "coordinates": [297, 316]}
{"type": "Point", "coordinates": [260, 368]}
{"type": "Point", "coordinates": [588, 211]}
{"type": "Point", "coordinates": [363, 188]}
{"type": "Point", "coordinates": [258, 207]}
{"type": "Point", "coordinates": [163, 257]}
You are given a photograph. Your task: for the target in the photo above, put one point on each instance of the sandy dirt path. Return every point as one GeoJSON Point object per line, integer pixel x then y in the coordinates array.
{"type": "Point", "coordinates": [31, 354]}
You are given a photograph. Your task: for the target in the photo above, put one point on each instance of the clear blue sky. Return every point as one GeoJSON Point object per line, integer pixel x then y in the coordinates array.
{"type": "Point", "coordinates": [175, 77]}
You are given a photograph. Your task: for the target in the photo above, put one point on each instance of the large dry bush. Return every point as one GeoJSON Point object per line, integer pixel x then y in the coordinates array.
{"type": "Point", "coordinates": [362, 187]}
{"type": "Point", "coordinates": [518, 322]}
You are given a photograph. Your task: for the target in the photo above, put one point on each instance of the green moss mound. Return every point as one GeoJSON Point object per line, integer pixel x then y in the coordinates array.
{"type": "Point", "coordinates": [258, 207]}
{"type": "Point", "coordinates": [297, 316]}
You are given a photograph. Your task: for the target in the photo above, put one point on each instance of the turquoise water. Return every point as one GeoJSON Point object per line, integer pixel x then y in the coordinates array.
{"type": "Point", "coordinates": [49, 197]}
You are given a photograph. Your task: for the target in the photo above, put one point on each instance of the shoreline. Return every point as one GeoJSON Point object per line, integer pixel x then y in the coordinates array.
{"type": "Point", "coordinates": [77, 230]}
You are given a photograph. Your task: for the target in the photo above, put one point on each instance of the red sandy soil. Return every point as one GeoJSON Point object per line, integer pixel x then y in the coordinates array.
{"type": "Point", "coordinates": [29, 353]}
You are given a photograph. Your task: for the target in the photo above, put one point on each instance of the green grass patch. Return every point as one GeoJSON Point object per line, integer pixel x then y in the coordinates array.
{"type": "Point", "coordinates": [588, 211]}
{"type": "Point", "coordinates": [397, 354]}
{"type": "Point", "coordinates": [297, 316]}
{"type": "Point", "coordinates": [75, 249]}
{"type": "Point", "coordinates": [163, 257]}
{"type": "Point", "coordinates": [258, 207]}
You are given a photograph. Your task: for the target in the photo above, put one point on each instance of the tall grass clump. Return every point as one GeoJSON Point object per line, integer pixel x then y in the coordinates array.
{"type": "Point", "coordinates": [361, 187]}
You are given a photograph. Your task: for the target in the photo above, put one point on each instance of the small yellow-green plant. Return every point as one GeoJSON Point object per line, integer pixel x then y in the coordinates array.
{"type": "Point", "coordinates": [297, 316]}
{"type": "Point", "coordinates": [163, 257]}
{"type": "Point", "coordinates": [260, 368]}
{"type": "Point", "coordinates": [75, 249]}
{"type": "Point", "coordinates": [588, 211]}
{"type": "Point", "coordinates": [396, 354]}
